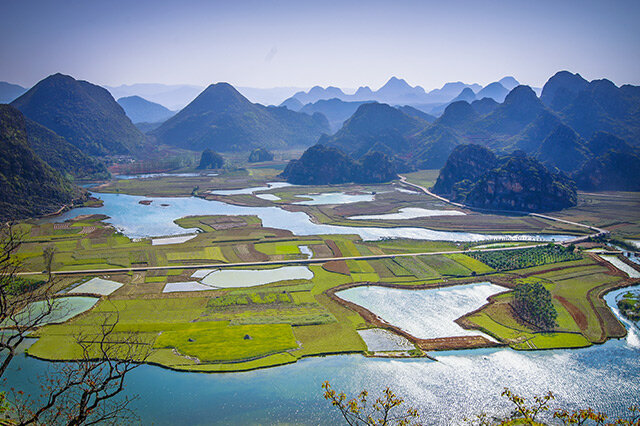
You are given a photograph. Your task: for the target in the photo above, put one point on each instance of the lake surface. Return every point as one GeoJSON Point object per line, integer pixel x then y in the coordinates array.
{"type": "Point", "coordinates": [409, 213]}
{"type": "Point", "coordinates": [63, 308]}
{"type": "Point", "coordinates": [231, 278]}
{"type": "Point", "coordinates": [604, 377]}
{"type": "Point", "coordinates": [269, 185]}
{"type": "Point", "coordinates": [157, 175]}
{"type": "Point", "coordinates": [425, 314]}
{"type": "Point", "coordinates": [137, 220]}
{"type": "Point", "coordinates": [334, 198]}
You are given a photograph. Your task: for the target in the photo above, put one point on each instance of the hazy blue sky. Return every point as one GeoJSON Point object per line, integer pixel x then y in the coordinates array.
{"type": "Point", "coordinates": [298, 43]}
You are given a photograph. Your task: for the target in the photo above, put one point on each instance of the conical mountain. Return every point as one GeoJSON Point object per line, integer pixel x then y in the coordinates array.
{"type": "Point", "coordinates": [293, 104]}
{"type": "Point", "coordinates": [84, 114]}
{"type": "Point", "coordinates": [28, 186]}
{"type": "Point", "coordinates": [140, 110]}
{"type": "Point", "coordinates": [484, 106]}
{"type": "Point", "coordinates": [495, 91]}
{"type": "Point", "coordinates": [466, 162]}
{"type": "Point", "coordinates": [466, 95]}
{"type": "Point", "coordinates": [375, 124]}
{"type": "Point", "coordinates": [396, 89]}
{"type": "Point", "coordinates": [458, 114]}
{"type": "Point", "coordinates": [223, 120]}
{"type": "Point", "coordinates": [561, 89]}
{"type": "Point", "coordinates": [563, 149]}
{"type": "Point", "coordinates": [520, 107]}
{"type": "Point", "coordinates": [509, 82]}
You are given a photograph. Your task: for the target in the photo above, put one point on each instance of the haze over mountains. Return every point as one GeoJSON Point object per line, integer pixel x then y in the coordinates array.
{"type": "Point", "coordinates": [140, 110]}
{"type": "Point", "coordinates": [9, 92]}
{"type": "Point", "coordinates": [589, 131]}
{"type": "Point", "coordinates": [176, 96]}
{"type": "Point", "coordinates": [604, 116]}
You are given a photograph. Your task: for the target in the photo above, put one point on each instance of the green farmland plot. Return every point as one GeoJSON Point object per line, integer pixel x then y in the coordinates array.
{"type": "Point", "coordinates": [218, 341]}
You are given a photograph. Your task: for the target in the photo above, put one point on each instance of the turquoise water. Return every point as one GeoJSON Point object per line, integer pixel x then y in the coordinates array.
{"type": "Point", "coordinates": [139, 221]}
{"type": "Point", "coordinates": [460, 384]}
{"type": "Point", "coordinates": [62, 309]}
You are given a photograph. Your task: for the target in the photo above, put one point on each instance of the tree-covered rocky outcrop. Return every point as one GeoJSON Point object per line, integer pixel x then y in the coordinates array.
{"type": "Point", "coordinates": [260, 154]}
{"type": "Point", "coordinates": [84, 114]}
{"type": "Point", "coordinates": [466, 163]}
{"type": "Point", "coordinates": [28, 186]}
{"type": "Point", "coordinates": [210, 160]}
{"type": "Point", "coordinates": [473, 175]}
{"type": "Point", "coordinates": [322, 165]}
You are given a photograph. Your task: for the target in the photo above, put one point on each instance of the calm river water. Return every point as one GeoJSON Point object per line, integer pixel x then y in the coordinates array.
{"type": "Point", "coordinates": [137, 220]}
{"type": "Point", "coordinates": [459, 384]}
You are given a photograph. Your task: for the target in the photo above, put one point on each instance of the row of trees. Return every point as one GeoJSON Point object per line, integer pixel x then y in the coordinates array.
{"type": "Point", "coordinates": [532, 302]}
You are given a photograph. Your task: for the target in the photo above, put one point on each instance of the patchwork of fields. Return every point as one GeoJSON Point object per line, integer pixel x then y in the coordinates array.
{"type": "Point", "coordinates": [228, 325]}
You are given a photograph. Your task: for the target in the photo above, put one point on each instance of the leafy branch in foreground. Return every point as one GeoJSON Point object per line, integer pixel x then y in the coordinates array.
{"type": "Point", "coordinates": [385, 410]}
{"type": "Point", "coordinates": [529, 413]}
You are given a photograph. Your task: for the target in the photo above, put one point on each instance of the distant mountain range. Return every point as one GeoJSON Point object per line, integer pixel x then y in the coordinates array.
{"type": "Point", "coordinates": [589, 131]}
{"type": "Point", "coordinates": [140, 110]}
{"type": "Point", "coordinates": [553, 130]}
{"type": "Point", "coordinates": [398, 92]}
{"type": "Point", "coordinates": [9, 92]}
{"type": "Point", "coordinates": [84, 114]}
{"type": "Point", "coordinates": [173, 97]}
{"type": "Point", "coordinates": [223, 120]}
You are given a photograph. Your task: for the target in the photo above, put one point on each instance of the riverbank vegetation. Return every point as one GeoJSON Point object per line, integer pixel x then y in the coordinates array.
{"type": "Point", "coordinates": [629, 306]}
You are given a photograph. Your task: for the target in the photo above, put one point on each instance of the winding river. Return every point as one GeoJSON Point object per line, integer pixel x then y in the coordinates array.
{"type": "Point", "coordinates": [157, 219]}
